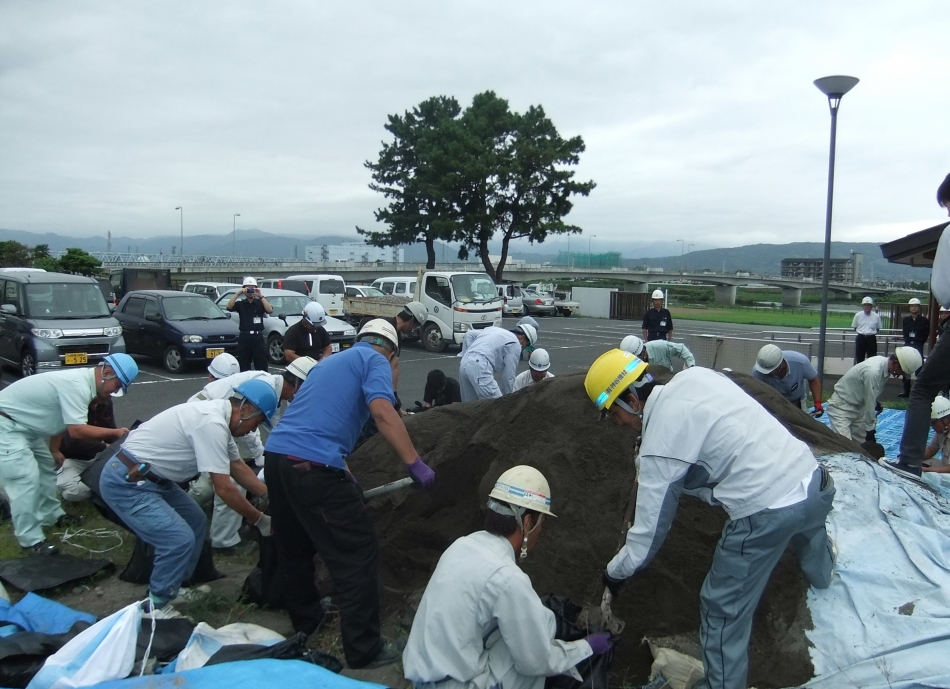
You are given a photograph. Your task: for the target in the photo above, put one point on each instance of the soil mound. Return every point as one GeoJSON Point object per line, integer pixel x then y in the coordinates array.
{"type": "Point", "coordinates": [590, 465]}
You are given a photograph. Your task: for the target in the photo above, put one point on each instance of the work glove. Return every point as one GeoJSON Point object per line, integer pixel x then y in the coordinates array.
{"type": "Point", "coordinates": [264, 525]}
{"type": "Point", "coordinates": [819, 410]}
{"type": "Point", "coordinates": [612, 584]}
{"type": "Point", "coordinates": [870, 437]}
{"type": "Point", "coordinates": [600, 643]}
{"type": "Point", "coordinates": [422, 476]}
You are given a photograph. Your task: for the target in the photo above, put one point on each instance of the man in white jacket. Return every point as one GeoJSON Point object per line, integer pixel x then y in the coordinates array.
{"type": "Point", "coordinates": [658, 352]}
{"type": "Point", "coordinates": [851, 407]}
{"type": "Point", "coordinates": [491, 350]}
{"type": "Point", "coordinates": [704, 436]}
{"type": "Point", "coordinates": [480, 624]}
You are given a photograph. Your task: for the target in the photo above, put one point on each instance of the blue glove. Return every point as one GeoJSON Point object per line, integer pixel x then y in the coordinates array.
{"type": "Point", "coordinates": [422, 475]}
{"type": "Point", "coordinates": [600, 642]}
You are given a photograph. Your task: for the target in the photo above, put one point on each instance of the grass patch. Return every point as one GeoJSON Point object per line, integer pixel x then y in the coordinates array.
{"type": "Point", "coordinates": [215, 609]}
{"type": "Point", "coordinates": [768, 317]}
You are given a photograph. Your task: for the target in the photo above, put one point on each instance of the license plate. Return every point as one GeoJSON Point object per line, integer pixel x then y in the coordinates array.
{"type": "Point", "coordinates": [212, 353]}
{"type": "Point", "coordinates": [334, 312]}
{"type": "Point", "coordinates": [76, 359]}
{"type": "Point", "coordinates": [334, 346]}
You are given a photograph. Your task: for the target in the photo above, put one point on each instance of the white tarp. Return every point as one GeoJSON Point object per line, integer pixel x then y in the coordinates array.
{"type": "Point", "coordinates": [885, 620]}
{"type": "Point", "coordinates": [205, 641]}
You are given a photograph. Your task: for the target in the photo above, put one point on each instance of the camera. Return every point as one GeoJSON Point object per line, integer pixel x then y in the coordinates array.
{"type": "Point", "coordinates": [249, 290]}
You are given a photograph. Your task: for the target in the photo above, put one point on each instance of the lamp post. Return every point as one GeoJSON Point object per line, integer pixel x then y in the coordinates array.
{"type": "Point", "coordinates": [834, 88]}
{"type": "Point", "coordinates": [234, 233]}
{"type": "Point", "coordinates": [589, 257]}
{"type": "Point", "coordinates": [688, 249]}
{"type": "Point", "coordinates": [181, 242]}
{"type": "Point", "coordinates": [682, 246]}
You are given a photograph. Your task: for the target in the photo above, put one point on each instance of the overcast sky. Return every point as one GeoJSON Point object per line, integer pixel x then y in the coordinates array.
{"type": "Point", "coordinates": [700, 119]}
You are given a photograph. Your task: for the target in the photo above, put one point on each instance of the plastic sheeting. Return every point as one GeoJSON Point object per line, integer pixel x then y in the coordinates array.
{"type": "Point", "coordinates": [885, 620]}
{"type": "Point", "coordinates": [38, 572]}
{"type": "Point", "coordinates": [205, 641]}
{"type": "Point", "coordinates": [37, 614]}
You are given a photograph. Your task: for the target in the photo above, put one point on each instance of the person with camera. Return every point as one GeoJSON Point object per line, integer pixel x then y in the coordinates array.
{"type": "Point", "coordinates": [252, 350]}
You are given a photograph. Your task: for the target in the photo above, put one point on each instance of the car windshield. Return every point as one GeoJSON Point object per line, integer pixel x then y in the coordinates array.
{"type": "Point", "coordinates": [331, 286]}
{"type": "Point", "coordinates": [370, 292]}
{"type": "Point", "coordinates": [474, 287]}
{"type": "Point", "coordinates": [288, 306]}
{"type": "Point", "coordinates": [191, 309]}
{"type": "Point", "coordinates": [66, 300]}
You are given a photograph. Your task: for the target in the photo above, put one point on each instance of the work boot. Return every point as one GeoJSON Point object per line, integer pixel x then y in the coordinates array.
{"type": "Point", "coordinates": [42, 548]}
{"type": "Point", "coordinates": [191, 595]}
{"type": "Point", "coordinates": [903, 466]}
{"type": "Point", "coordinates": [69, 520]}
{"type": "Point", "coordinates": [167, 612]}
{"type": "Point", "coordinates": [390, 653]}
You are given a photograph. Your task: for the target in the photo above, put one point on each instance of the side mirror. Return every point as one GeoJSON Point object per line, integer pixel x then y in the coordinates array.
{"type": "Point", "coordinates": [8, 308]}
{"type": "Point", "coordinates": [154, 317]}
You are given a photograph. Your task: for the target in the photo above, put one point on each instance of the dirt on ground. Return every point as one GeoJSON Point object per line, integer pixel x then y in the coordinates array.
{"type": "Point", "coordinates": [590, 466]}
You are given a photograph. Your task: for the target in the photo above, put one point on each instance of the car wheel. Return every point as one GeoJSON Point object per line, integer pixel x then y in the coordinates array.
{"type": "Point", "coordinates": [568, 313]}
{"type": "Point", "coordinates": [275, 349]}
{"type": "Point", "coordinates": [173, 360]}
{"type": "Point", "coordinates": [432, 339]}
{"type": "Point", "coordinates": [27, 363]}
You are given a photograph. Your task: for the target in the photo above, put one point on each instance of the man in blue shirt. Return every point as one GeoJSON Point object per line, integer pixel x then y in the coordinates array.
{"type": "Point", "coordinates": [788, 372]}
{"type": "Point", "coordinates": [315, 502]}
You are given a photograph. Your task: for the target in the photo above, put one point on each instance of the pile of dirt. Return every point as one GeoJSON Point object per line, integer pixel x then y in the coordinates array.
{"type": "Point", "coordinates": [590, 465]}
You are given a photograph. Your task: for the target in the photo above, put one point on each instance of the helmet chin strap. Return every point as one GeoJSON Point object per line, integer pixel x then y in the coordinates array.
{"type": "Point", "coordinates": [242, 419]}
{"type": "Point", "coordinates": [518, 513]}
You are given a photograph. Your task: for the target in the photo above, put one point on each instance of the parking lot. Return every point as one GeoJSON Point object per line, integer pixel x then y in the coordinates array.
{"type": "Point", "coordinates": [573, 344]}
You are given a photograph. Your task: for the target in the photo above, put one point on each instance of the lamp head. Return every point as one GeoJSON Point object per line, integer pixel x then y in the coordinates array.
{"type": "Point", "coordinates": [835, 87]}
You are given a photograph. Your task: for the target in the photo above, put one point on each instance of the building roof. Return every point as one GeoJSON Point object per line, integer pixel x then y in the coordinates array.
{"type": "Point", "coordinates": [917, 249]}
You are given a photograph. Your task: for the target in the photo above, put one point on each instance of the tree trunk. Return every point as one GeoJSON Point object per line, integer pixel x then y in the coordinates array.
{"type": "Point", "coordinates": [430, 253]}
{"type": "Point", "coordinates": [500, 269]}
{"type": "Point", "coordinates": [483, 254]}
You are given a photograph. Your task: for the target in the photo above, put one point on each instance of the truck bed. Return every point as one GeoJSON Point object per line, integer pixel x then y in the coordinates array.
{"type": "Point", "coordinates": [357, 308]}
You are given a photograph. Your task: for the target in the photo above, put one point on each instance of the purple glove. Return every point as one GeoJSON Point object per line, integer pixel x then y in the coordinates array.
{"type": "Point", "coordinates": [600, 642]}
{"type": "Point", "coordinates": [422, 475]}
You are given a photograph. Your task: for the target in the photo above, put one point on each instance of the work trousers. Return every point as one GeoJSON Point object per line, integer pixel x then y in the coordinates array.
{"type": "Point", "coordinates": [865, 346]}
{"type": "Point", "coordinates": [69, 480]}
{"type": "Point", "coordinates": [745, 556]}
{"type": "Point", "coordinates": [164, 517]}
{"type": "Point", "coordinates": [252, 351]}
{"type": "Point", "coordinates": [28, 473]}
{"type": "Point", "coordinates": [477, 379]}
{"type": "Point", "coordinates": [321, 511]}
{"type": "Point", "coordinates": [848, 421]}
{"type": "Point", "coordinates": [933, 377]}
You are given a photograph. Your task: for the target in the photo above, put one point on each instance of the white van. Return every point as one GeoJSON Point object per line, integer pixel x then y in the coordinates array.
{"type": "Point", "coordinates": [514, 304]}
{"type": "Point", "coordinates": [327, 290]}
{"type": "Point", "coordinates": [212, 290]}
{"type": "Point", "coordinates": [397, 286]}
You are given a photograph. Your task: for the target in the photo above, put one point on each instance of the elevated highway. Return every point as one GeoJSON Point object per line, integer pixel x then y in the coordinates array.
{"type": "Point", "coordinates": [234, 268]}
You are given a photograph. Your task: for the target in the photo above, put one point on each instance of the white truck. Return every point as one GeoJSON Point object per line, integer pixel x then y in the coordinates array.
{"type": "Point", "coordinates": [457, 303]}
{"type": "Point", "coordinates": [561, 303]}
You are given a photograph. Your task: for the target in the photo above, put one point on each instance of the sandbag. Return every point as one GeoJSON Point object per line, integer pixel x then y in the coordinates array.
{"type": "Point", "coordinates": [38, 572]}
{"type": "Point", "coordinates": [593, 670]}
{"type": "Point", "coordinates": [22, 655]}
{"type": "Point", "coordinates": [294, 648]}
{"type": "Point", "coordinates": [171, 637]}
{"type": "Point", "coordinates": [139, 568]}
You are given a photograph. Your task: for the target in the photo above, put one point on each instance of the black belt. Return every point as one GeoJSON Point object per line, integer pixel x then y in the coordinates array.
{"type": "Point", "coordinates": [137, 467]}
{"type": "Point", "coordinates": [305, 465]}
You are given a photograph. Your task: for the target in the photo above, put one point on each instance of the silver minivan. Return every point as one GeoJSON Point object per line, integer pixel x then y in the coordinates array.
{"type": "Point", "coordinates": [54, 320]}
{"type": "Point", "coordinates": [514, 303]}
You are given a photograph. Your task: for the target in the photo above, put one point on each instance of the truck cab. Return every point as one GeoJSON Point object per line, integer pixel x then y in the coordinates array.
{"type": "Point", "coordinates": [457, 303]}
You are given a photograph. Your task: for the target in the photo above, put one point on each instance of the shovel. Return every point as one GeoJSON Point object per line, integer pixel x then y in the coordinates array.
{"type": "Point", "coordinates": [386, 488]}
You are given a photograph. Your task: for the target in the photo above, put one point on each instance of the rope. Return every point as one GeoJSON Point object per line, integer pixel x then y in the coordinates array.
{"type": "Point", "coordinates": [151, 637]}
{"type": "Point", "coordinates": [68, 537]}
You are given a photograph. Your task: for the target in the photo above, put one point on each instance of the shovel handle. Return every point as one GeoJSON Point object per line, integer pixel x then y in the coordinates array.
{"type": "Point", "coordinates": [387, 488]}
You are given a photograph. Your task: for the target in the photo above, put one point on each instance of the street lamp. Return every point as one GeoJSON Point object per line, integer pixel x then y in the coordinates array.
{"type": "Point", "coordinates": [234, 233]}
{"type": "Point", "coordinates": [589, 257]}
{"type": "Point", "coordinates": [688, 249]}
{"type": "Point", "coordinates": [834, 87]}
{"type": "Point", "coordinates": [181, 243]}
{"type": "Point", "coordinates": [682, 246]}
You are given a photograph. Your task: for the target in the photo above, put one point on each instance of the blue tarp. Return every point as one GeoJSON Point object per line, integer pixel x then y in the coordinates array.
{"type": "Point", "coordinates": [245, 673]}
{"type": "Point", "coordinates": [890, 426]}
{"type": "Point", "coordinates": [37, 614]}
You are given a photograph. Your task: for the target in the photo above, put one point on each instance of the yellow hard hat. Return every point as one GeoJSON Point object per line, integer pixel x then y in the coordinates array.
{"type": "Point", "coordinates": [611, 374]}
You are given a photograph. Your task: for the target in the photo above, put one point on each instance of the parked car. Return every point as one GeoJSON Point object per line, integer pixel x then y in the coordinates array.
{"type": "Point", "coordinates": [177, 327]}
{"type": "Point", "coordinates": [51, 320]}
{"type": "Point", "coordinates": [538, 303]}
{"type": "Point", "coordinates": [285, 283]}
{"type": "Point", "coordinates": [327, 290]}
{"type": "Point", "coordinates": [212, 290]}
{"type": "Point", "coordinates": [363, 291]}
{"type": "Point", "coordinates": [397, 286]}
{"type": "Point", "coordinates": [288, 309]}
{"type": "Point", "coordinates": [514, 304]}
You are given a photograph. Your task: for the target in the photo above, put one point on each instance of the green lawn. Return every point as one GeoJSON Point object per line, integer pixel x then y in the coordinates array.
{"type": "Point", "coordinates": [769, 317]}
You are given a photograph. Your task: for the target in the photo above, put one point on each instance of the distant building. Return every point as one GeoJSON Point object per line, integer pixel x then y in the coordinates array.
{"type": "Point", "coordinates": [843, 270]}
{"type": "Point", "coordinates": [358, 252]}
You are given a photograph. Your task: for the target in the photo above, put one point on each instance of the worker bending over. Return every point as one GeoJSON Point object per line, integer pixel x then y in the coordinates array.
{"type": "Point", "coordinates": [32, 411]}
{"type": "Point", "coordinates": [789, 372]}
{"type": "Point", "coordinates": [940, 423]}
{"type": "Point", "coordinates": [440, 390]}
{"type": "Point", "coordinates": [413, 316]}
{"type": "Point", "coordinates": [73, 455]}
{"type": "Point", "coordinates": [851, 407]}
{"type": "Point", "coordinates": [308, 337]}
{"type": "Point", "coordinates": [222, 366]}
{"type": "Point", "coordinates": [140, 482]}
{"type": "Point", "coordinates": [480, 624]}
{"type": "Point", "coordinates": [489, 351]}
{"type": "Point", "coordinates": [225, 522]}
{"type": "Point", "coordinates": [316, 503]}
{"type": "Point", "coordinates": [703, 436]}
{"type": "Point", "coordinates": [538, 364]}
{"type": "Point", "coordinates": [658, 352]}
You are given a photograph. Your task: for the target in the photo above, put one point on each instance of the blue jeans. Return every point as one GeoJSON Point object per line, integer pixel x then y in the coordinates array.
{"type": "Point", "coordinates": [162, 516]}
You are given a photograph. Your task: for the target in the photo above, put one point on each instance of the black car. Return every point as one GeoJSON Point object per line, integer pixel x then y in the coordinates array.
{"type": "Point", "coordinates": [177, 327]}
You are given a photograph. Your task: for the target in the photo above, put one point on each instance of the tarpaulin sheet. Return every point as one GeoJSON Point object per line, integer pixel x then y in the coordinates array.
{"type": "Point", "coordinates": [38, 572]}
{"type": "Point", "coordinates": [246, 673]}
{"type": "Point", "coordinates": [885, 620]}
{"type": "Point", "coordinates": [37, 614]}
{"type": "Point", "coordinates": [890, 426]}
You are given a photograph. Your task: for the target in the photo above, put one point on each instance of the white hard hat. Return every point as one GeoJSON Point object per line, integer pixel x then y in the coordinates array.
{"type": "Point", "coordinates": [379, 328]}
{"type": "Point", "coordinates": [768, 359]}
{"type": "Point", "coordinates": [914, 301]}
{"type": "Point", "coordinates": [224, 365]}
{"type": "Point", "coordinates": [523, 486]}
{"type": "Point", "coordinates": [528, 320]}
{"type": "Point", "coordinates": [867, 300]}
{"type": "Point", "coordinates": [632, 344]}
{"type": "Point", "coordinates": [529, 332]}
{"type": "Point", "coordinates": [944, 309]}
{"type": "Point", "coordinates": [418, 310]}
{"type": "Point", "coordinates": [657, 294]}
{"type": "Point", "coordinates": [249, 282]}
{"type": "Point", "coordinates": [301, 366]}
{"type": "Point", "coordinates": [940, 408]}
{"type": "Point", "coordinates": [315, 313]}
{"type": "Point", "coordinates": [909, 358]}
{"type": "Point", "coordinates": [539, 360]}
